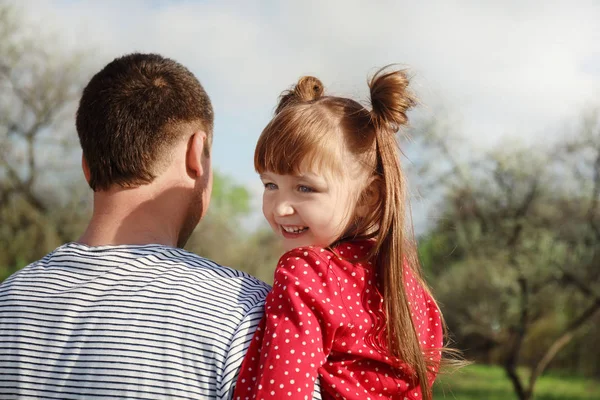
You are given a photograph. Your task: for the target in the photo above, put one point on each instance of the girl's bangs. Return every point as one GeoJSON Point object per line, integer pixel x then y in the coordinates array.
{"type": "Point", "coordinates": [288, 145]}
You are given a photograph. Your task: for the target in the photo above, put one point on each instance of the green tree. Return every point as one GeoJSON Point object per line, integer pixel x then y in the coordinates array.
{"type": "Point", "coordinates": [39, 84]}
{"type": "Point", "coordinates": [519, 243]}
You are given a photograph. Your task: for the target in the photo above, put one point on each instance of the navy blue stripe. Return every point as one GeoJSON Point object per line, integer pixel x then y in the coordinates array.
{"type": "Point", "coordinates": [44, 282]}
{"type": "Point", "coordinates": [112, 315]}
{"type": "Point", "coordinates": [215, 302]}
{"type": "Point", "coordinates": [209, 369]}
{"type": "Point", "coordinates": [145, 375]}
{"type": "Point", "coordinates": [157, 332]}
{"type": "Point", "coordinates": [97, 340]}
{"type": "Point", "coordinates": [112, 308]}
{"type": "Point", "coordinates": [115, 353]}
{"type": "Point", "coordinates": [129, 388]}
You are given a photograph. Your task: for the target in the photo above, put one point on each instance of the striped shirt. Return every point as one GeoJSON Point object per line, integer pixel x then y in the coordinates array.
{"type": "Point", "coordinates": [135, 322]}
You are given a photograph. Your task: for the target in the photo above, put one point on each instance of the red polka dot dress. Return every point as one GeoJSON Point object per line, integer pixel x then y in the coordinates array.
{"type": "Point", "coordinates": [320, 320]}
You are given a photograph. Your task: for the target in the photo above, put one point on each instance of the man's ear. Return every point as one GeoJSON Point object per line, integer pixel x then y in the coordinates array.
{"type": "Point", "coordinates": [195, 153]}
{"type": "Point", "coordinates": [86, 169]}
{"type": "Point", "coordinates": [370, 197]}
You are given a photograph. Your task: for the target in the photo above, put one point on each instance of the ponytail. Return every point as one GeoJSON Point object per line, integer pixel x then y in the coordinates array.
{"type": "Point", "coordinates": [395, 249]}
{"type": "Point", "coordinates": [390, 100]}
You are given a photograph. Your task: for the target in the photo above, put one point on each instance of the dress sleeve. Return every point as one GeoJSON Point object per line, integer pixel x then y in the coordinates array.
{"type": "Point", "coordinates": [297, 331]}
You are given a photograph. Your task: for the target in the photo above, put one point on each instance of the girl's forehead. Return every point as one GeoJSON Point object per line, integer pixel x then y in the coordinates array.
{"type": "Point", "coordinates": [312, 174]}
{"type": "Point", "coordinates": [318, 169]}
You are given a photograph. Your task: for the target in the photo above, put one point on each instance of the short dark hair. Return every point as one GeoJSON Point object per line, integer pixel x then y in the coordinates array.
{"type": "Point", "coordinates": [132, 111]}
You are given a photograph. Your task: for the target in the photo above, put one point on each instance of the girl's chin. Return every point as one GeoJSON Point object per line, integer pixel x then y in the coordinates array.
{"type": "Point", "coordinates": [295, 242]}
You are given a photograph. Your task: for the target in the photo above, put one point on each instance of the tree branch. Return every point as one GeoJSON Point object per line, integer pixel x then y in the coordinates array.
{"type": "Point", "coordinates": [561, 342]}
{"type": "Point", "coordinates": [594, 200]}
{"type": "Point", "coordinates": [518, 336]}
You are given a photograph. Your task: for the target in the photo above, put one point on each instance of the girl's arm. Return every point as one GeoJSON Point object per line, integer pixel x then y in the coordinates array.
{"type": "Point", "coordinates": [296, 333]}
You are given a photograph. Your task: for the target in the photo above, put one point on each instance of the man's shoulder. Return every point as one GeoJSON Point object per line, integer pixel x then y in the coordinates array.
{"type": "Point", "coordinates": [210, 269]}
{"type": "Point", "coordinates": [197, 262]}
{"type": "Point", "coordinates": [139, 260]}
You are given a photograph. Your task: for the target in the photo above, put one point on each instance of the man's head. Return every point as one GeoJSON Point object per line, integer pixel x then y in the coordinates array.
{"type": "Point", "coordinates": [145, 122]}
{"type": "Point", "coordinates": [133, 112]}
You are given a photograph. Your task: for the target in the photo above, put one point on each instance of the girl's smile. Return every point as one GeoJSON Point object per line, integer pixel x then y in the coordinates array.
{"type": "Point", "coordinates": [293, 231]}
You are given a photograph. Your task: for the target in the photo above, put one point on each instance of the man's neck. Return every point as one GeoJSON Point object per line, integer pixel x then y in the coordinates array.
{"type": "Point", "coordinates": [133, 216]}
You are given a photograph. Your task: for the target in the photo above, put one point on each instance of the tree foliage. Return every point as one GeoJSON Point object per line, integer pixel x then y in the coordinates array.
{"type": "Point", "coordinates": [516, 249]}
{"type": "Point", "coordinates": [38, 89]}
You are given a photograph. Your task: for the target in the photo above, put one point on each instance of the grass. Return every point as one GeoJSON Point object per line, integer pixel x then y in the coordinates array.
{"type": "Point", "coordinates": [482, 382]}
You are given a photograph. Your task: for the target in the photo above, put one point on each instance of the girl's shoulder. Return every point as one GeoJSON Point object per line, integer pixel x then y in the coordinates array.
{"type": "Point", "coordinates": [303, 265]}
{"type": "Point", "coordinates": [312, 254]}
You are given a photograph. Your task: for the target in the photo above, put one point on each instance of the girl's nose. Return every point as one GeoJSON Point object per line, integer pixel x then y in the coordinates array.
{"type": "Point", "coordinates": [283, 208]}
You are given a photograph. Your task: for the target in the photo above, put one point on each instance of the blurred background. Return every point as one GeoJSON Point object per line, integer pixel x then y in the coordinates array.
{"type": "Point", "coordinates": [503, 154]}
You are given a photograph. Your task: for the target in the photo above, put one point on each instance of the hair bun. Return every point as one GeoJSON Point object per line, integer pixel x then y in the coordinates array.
{"type": "Point", "coordinates": [390, 98]}
{"type": "Point", "coordinates": [307, 89]}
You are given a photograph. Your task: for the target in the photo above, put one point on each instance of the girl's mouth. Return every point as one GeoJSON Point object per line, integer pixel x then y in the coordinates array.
{"type": "Point", "coordinates": [292, 232]}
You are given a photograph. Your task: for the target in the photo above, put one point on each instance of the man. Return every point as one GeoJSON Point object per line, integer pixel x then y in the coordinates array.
{"type": "Point", "coordinates": [124, 312]}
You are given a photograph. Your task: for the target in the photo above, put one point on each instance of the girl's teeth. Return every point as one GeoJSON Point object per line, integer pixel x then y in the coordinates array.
{"type": "Point", "coordinates": [294, 230]}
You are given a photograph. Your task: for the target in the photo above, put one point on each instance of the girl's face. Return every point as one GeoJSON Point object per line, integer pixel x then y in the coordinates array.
{"type": "Point", "coordinates": [307, 209]}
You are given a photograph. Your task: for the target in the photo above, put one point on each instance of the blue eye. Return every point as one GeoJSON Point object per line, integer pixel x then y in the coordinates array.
{"type": "Point", "coordinates": [305, 189]}
{"type": "Point", "coordinates": [270, 186]}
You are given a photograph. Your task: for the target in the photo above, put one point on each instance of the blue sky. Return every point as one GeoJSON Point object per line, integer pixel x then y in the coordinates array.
{"type": "Point", "coordinates": [505, 71]}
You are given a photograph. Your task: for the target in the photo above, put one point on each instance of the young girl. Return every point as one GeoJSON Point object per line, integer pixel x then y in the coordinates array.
{"type": "Point", "coordinates": [348, 303]}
